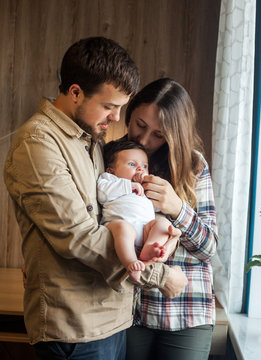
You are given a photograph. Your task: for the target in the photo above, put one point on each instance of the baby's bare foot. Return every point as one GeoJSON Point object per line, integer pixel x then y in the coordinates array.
{"type": "Point", "coordinates": [152, 252]}
{"type": "Point", "coordinates": [134, 269]}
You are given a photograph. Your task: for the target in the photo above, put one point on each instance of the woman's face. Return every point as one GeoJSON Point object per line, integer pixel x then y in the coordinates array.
{"type": "Point", "coordinates": [144, 127]}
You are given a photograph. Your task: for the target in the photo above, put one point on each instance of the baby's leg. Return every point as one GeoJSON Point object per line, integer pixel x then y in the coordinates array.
{"type": "Point", "coordinates": [124, 236]}
{"type": "Point", "coordinates": [156, 233]}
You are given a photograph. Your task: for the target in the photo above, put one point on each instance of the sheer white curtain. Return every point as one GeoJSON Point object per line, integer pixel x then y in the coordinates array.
{"type": "Point", "coordinates": [232, 130]}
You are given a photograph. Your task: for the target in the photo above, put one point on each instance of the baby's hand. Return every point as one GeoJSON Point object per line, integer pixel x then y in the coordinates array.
{"type": "Point", "coordinates": [137, 188]}
{"type": "Point", "coordinates": [138, 177]}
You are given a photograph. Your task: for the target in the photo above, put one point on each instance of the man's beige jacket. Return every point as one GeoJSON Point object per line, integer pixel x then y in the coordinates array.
{"type": "Point", "coordinates": [76, 290]}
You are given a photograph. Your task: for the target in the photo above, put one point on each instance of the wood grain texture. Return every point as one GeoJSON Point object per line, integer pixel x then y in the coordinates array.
{"type": "Point", "coordinates": [170, 38]}
{"type": "Point", "coordinates": [12, 292]}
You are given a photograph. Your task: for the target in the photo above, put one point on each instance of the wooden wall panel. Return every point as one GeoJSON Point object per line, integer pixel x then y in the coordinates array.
{"type": "Point", "coordinates": [164, 37]}
{"type": "Point", "coordinates": [10, 239]}
{"type": "Point", "coordinates": [7, 31]}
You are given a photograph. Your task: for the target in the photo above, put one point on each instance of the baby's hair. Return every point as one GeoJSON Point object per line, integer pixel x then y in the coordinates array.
{"type": "Point", "coordinates": [112, 148]}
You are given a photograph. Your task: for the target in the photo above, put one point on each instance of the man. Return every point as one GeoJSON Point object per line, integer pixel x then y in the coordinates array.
{"type": "Point", "coordinates": [77, 301]}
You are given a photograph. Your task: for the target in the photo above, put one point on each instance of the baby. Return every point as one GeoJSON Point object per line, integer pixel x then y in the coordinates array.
{"type": "Point", "coordinates": [127, 212]}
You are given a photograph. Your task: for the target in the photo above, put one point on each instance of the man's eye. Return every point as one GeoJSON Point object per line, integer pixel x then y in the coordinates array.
{"type": "Point", "coordinates": [107, 107]}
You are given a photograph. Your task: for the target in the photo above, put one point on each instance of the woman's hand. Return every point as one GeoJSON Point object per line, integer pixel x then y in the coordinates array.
{"type": "Point", "coordinates": [162, 194]}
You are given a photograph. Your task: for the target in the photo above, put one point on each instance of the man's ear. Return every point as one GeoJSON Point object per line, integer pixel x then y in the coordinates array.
{"type": "Point", "coordinates": [109, 170]}
{"type": "Point", "coordinates": [75, 91]}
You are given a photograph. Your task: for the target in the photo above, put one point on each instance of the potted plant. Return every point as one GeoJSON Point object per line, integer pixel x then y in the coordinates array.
{"type": "Point", "coordinates": [255, 261]}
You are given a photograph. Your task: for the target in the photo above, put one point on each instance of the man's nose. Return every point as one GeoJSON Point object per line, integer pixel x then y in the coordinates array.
{"type": "Point", "coordinates": [114, 115]}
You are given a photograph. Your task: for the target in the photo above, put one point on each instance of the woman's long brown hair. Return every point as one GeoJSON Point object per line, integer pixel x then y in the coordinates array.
{"type": "Point", "coordinates": [176, 161]}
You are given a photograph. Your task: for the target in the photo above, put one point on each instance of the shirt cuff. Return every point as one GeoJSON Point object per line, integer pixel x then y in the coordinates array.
{"type": "Point", "coordinates": [154, 276]}
{"type": "Point", "coordinates": [182, 218]}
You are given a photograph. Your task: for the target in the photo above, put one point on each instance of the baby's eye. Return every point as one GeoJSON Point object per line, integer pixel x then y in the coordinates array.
{"type": "Point", "coordinates": [131, 163]}
{"type": "Point", "coordinates": [145, 166]}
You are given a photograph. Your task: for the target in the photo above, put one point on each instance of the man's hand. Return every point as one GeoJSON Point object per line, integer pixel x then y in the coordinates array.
{"type": "Point", "coordinates": [175, 283]}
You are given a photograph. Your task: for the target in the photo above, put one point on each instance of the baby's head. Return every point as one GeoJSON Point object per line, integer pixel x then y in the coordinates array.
{"type": "Point", "coordinates": [125, 159]}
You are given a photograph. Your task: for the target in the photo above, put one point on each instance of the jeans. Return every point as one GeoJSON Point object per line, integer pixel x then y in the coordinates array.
{"type": "Point", "coordinates": [111, 348]}
{"type": "Point", "coordinates": [188, 344]}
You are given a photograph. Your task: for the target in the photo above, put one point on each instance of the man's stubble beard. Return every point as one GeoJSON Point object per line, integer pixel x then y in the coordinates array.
{"type": "Point", "coordinates": [96, 136]}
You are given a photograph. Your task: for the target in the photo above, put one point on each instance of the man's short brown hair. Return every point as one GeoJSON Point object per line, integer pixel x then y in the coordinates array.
{"type": "Point", "coordinates": [93, 61]}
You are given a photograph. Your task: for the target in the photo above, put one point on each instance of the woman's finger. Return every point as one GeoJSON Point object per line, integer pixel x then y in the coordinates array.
{"type": "Point", "coordinates": [154, 180]}
{"type": "Point", "coordinates": [153, 195]}
{"type": "Point", "coordinates": [152, 187]}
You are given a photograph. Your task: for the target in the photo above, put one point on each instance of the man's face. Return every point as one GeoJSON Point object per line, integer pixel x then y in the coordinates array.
{"type": "Point", "coordinates": [129, 163]}
{"type": "Point", "coordinates": [96, 112]}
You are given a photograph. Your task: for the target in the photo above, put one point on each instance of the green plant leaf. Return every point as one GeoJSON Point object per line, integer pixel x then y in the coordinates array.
{"type": "Point", "coordinates": [252, 263]}
{"type": "Point", "coordinates": [256, 257]}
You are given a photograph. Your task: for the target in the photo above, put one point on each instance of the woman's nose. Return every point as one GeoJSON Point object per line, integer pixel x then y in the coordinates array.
{"type": "Point", "coordinates": [144, 140]}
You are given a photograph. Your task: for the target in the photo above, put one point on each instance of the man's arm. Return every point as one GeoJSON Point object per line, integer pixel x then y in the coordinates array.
{"type": "Point", "coordinates": [171, 281]}
{"type": "Point", "coordinates": [39, 181]}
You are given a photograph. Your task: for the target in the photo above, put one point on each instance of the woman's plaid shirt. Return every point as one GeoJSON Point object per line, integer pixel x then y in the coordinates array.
{"type": "Point", "coordinates": [196, 304]}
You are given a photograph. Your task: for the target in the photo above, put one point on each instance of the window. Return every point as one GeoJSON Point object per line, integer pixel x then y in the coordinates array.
{"type": "Point", "coordinates": [253, 281]}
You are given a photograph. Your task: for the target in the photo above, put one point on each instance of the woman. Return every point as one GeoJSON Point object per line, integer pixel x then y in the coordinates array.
{"type": "Point", "coordinates": [162, 117]}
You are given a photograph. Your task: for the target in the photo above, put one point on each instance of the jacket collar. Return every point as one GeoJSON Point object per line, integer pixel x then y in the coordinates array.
{"type": "Point", "coordinates": [62, 120]}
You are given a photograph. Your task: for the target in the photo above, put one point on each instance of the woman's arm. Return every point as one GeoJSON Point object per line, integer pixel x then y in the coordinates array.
{"type": "Point", "coordinates": [198, 227]}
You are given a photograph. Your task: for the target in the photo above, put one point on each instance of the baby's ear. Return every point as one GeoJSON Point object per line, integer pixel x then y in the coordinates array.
{"type": "Point", "coordinates": [110, 171]}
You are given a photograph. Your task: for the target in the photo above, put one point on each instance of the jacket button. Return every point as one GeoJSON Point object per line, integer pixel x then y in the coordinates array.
{"type": "Point", "coordinates": [89, 207]}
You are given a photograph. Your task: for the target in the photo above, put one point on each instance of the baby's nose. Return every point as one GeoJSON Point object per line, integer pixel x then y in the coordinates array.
{"type": "Point", "coordinates": [140, 169]}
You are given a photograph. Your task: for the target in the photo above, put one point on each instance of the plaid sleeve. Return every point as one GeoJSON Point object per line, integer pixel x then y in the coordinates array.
{"type": "Point", "coordinates": [198, 227]}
